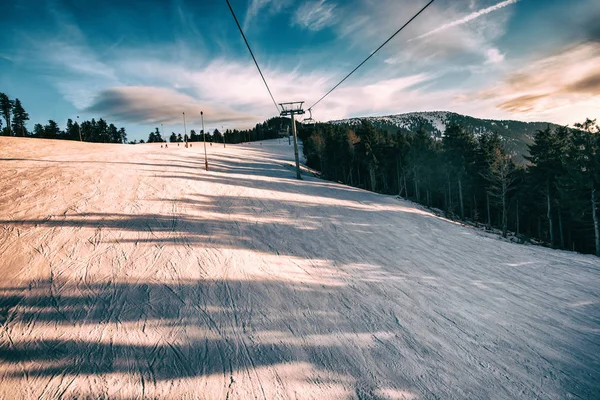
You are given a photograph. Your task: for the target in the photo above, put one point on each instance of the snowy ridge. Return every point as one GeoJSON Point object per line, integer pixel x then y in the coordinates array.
{"type": "Point", "coordinates": [516, 135]}
{"type": "Point", "coordinates": [437, 119]}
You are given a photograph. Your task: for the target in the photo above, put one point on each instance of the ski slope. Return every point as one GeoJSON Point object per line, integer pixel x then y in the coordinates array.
{"type": "Point", "coordinates": [130, 272]}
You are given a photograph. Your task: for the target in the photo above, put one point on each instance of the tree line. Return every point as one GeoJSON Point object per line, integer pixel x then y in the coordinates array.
{"type": "Point", "coordinates": [270, 129]}
{"type": "Point", "coordinates": [552, 197]}
{"type": "Point", "coordinates": [14, 115]}
{"type": "Point", "coordinates": [15, 124]}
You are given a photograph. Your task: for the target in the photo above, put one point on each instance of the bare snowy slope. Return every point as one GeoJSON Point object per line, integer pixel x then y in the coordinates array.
{"type": "Point", "coordinates": [130, 272]}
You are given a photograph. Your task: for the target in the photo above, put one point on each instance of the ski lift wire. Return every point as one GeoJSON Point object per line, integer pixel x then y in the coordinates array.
{"type": "Point", "coordinates": [373, 53]}
{"type": "Point", "coordinates": [252, 54]}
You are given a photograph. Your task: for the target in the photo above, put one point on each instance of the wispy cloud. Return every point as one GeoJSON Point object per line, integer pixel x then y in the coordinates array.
{"type": "Point", "coordinates": [466, 45]}
{"type": "Point", "coordinates": [253, 10]}
{"type": "Point", "coordinates": [76, 70]}
{"type": "Point", "coordinates": [65, 58]}
{"type": "Point", "coordinates": [468, 18]}
{"type": "Point", "coordinates": [265, 7]}
{"type": "Point", "coordinates": [314, 15]}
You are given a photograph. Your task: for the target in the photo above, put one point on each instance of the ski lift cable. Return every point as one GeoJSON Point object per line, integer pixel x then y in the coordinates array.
{"type": "Point", "coordinates": [252, 54]}
{"type": "Point", "coordinates": [373, 53]}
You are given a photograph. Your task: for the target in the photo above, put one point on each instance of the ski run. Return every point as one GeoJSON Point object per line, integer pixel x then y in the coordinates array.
{"type": "Point", "coordinates": [130, 272]}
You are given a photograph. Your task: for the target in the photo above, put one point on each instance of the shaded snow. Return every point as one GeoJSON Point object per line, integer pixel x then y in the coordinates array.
{"type": "Point", "coordinates": [130, 272]}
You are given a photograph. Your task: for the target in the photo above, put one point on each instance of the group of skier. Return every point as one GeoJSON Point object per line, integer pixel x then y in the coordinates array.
{"type": "Point", "coordinates": [166, 145]}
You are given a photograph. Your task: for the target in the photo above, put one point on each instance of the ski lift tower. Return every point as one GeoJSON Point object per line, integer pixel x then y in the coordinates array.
{"type": "Point", "coordinates": [291, 109]}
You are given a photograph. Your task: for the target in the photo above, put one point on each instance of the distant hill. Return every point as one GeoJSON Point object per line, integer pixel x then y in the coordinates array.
{"type": "Point", "coordinates": [516, 135]}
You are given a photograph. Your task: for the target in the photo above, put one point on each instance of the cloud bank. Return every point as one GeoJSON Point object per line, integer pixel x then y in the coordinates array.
{"type": "Point", "coordinates": [565, 85]}
{"type": "Point", "coordinates": [153, 105]}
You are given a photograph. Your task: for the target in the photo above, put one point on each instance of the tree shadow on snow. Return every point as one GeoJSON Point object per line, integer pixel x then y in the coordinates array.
{"type": "Point", "coordinates": [228, 333]}
{"type": "Point", "coordinates": [236, 329]}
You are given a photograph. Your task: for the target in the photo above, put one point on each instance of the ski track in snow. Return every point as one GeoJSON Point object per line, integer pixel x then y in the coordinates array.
{"type": "Point", "coordinates": [130, 272]}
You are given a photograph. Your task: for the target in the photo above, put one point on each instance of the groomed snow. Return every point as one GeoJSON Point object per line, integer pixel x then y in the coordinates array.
{"type": "Point", "coordinates": [130, 272]}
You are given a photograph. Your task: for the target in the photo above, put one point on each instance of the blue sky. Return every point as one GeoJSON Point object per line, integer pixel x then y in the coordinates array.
{"type": "Point", "coordinates": [142, 63]}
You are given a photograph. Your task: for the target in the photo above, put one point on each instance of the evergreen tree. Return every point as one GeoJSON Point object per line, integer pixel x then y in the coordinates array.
{"type": "Point", "coordinates": [217, 136]}
{"type": "Point", "coordinates": [52, 130]}
{"type": "Point", "coordinates": [123, 135]}
{"type": "Point", "coordinates": [460, 154]}
{"type": "Point", "coordinates": [102, 134]}
{"type": "Point", "coordinates": [420, 145]}
{"type": "Point", "coordinates": [489, 151]}
{"type": "Point", "coordinates": [20, 116]}
{"type": "Point", "coordinates": [314, 148]}
{"type": "Point", "coordinates": [173, 137]}
{"type": "Point", "coordinates": [72, 130]}
{"type": "Point", "coordinates": [583, 165]}
{"type": "Point", "coordinates": [401, 146]}
{"type": "Point", "coordinates": [432, 175]}
{"type": "Point", "coordinates": [367, 147]}
{"type": "Point", "coordinates": [545, 156]}
{"type": "Point", "coordinates": [113, 134]}
{"type": "Point", "coordinates": [155, 136]}
{"type": "Point", "coordinates": [87, 128]}
{"type": "Point", "coordinates": [501, 179]}
{"type": "Point", "coordinates": [38, 131]}
{"type": "Point", "coordinates": [6, 106]}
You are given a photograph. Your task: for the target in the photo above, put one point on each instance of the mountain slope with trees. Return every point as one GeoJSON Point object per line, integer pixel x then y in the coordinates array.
{"type": "Point", "coordinates": [473, 176]}
{"type": "Point", "coordinates": [515, 135]}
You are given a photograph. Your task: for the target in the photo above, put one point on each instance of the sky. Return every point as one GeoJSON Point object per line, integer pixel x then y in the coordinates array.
{"type": "Point", "coordinates": [143, 63]}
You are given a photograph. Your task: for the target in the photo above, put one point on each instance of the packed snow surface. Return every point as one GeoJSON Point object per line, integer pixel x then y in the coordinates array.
{"type": "Point", "coordinates": [130, 272]}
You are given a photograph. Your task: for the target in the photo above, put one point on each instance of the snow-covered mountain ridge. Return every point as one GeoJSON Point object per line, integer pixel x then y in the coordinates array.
{"type": "Point", "coordinates": [515, 134]}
